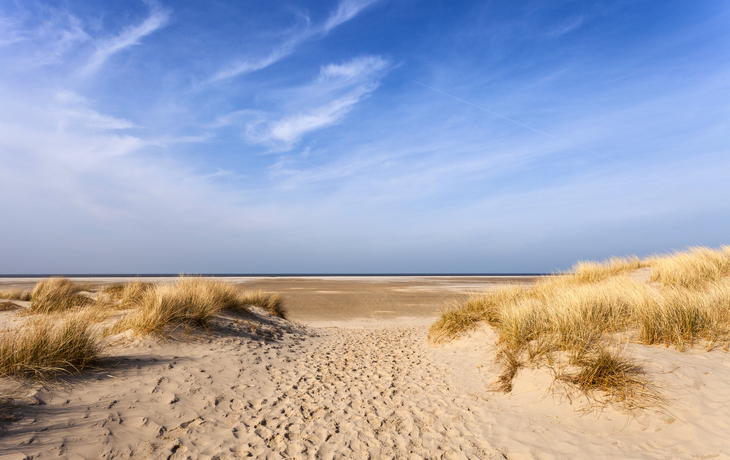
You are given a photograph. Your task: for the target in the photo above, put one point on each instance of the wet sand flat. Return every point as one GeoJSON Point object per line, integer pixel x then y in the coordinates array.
{"type": "Point", "coordinates": [339, 298]}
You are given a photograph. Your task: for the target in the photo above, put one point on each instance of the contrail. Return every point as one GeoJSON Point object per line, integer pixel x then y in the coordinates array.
{"type": "Point", "coordinates": [521, 124]}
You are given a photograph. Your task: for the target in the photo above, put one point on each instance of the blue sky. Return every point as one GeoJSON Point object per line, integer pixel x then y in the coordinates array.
{"type": "Point", "coordinates": [359, 136]}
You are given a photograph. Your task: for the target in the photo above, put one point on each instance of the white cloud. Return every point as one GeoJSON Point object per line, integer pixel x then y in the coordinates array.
{"type": "Point", "coordinates": [80, 187]}
{"type": "Point", "coordinates": [335, 92]}
{"type": "Point", "coordinates": [252, 65]}
{"type": "Point", "coordinates": [43, 43]}
{"type": "Point", "coordinates": [61, 38]}
{"type": "Point", "coordinates": [128, 37]}
{"type": "Point", "coordinates": [233, 118]}
{"type": "Point", "coordinates": [360, 68]}
{"type": "Point", "coordinates": [289, 130]}
{"type": "Point", "coordinates": [346, 10]}
{"type": "Point", "coordinates": [74, 109]}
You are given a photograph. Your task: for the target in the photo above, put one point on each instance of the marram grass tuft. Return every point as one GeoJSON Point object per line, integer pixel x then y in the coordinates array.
{"type": "Point", "coordinates": [49, 344]}
{"type": "Point", "coordinates": [190, 302]}
{"type": "Point", "coordinates": [579, 312]}
{"type": "Point", "coordinates": [52, 295]}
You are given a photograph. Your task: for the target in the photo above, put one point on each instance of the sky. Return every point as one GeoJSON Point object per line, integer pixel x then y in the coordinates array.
{"type": "Point", "coordinates": [359, 136]}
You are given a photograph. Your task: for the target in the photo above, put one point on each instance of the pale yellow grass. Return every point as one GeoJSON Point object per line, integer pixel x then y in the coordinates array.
{"type": "Point", "coordinates": [14, 294]}
{"type": "Point", "coordinates": [46, 345]}
{"type": "Point", "coordinates": [693, 268]}
{"type": "Point", "coordinates": [591, 272]}
{"type": "Point", "coordinates": [124, 295]}
{"type": "Point", "coordinates": [583, 312]}
{"type": "Point", "coordinates": [191, 301]}
{"type": "Point", "coordinates": [58, 294]}
{"type": "Point", "coordinates": [67, 338]}
{"type": "Point", "coordinates": [273, 303]}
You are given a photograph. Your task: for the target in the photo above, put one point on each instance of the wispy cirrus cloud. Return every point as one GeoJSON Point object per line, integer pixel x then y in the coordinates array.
{"type": "Point", "coordinates": [72, 108]}
{"type": "Point", "coordinates": [290, 130]}
{"type": "Point", "coordinates": [41, 42]}
{"type": "Point", "coordinates": [9, 32]}
{"type": "Point", "coordinates": [130, 36]}
{"type": "Point", "coordinates": [337, 89]}
{"type": "Point", "coordinates": [346, 10]}
{"type": "Point", "coordinates": [242, 67]}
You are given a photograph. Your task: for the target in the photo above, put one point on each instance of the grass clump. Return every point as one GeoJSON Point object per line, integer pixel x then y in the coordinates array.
{"type": "Point", "coordinates": [47, 345]}
{"type": "Point", "coordinates": [124, 295]}
{"type": "Point", "coordinates": [57, 294]}
{"type": "Point", "coordinates": [612, 373]}
{"type": "Point", "coordinates": [459, 318]}
{"type": "Point", "coordinates": [113, 291]}
{"type": "Point", "coordinates": [273, 303]}
{"type": "Point", "coordinates": [452, 322]}
{"type": "Point", "coordinates": [591, 272]}
{"type": "Point", "coordinates": [187, 302]}
{"type": "Point", "coordinates": [15, 294]}
{"type": "Point", "coordinates": [693, 268]}
{"type": "Point", "coordinates": [685, 316]}
{"type": "Point", "coordinates": [510, 365]}
{"type": "Point", "coordinates": [579, 312]}
{"type": "Point", "coordinates": [190, 301]}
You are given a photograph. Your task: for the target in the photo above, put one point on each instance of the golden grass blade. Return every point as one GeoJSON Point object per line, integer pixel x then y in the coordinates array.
{"type": "Point", "coordinates": [580, 311]}
{"type": "Point", "coordinates": [47, 345]}
{"type": "Point", "coordinates": [57, 294]}
{"type": "Point", "coordinates": [15, 294]}
{"type": "Point", "coordinates": [188, 302]}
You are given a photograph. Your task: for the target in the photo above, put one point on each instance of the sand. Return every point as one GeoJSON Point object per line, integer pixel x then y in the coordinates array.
{"type": "Point", "coordinates": [339, 385]}
{"type": "Point", "coordinates": [337, 298]}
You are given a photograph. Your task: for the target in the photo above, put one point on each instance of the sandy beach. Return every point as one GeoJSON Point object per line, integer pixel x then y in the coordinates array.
{"type": "Point", "coordinates": [353, 376]}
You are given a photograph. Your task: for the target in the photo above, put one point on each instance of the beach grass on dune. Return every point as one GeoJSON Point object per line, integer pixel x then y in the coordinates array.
{"type": "Point", "coordinates": [49, 344]}
{"type": "Point", "coordinates": [273, 303]}
{"type": "Point", "coordinates": [693, 268]}
{"type": "Point", "coordinates": [15, 294]}
{"type": "Point", "coordinates": [52, 295]}
{"type": "Point", "coordinates": [611, 372]}
{"type": "Point", "coordinates": [581, 311]}
{"type": "Point", "coordinates": [124, 295]}
{"type": "Point", "coordinates": [67, 336]}
{"type": "Point", "coordinates": [191, 302]}
{"type": "Point", "coordinates": [591, 272]}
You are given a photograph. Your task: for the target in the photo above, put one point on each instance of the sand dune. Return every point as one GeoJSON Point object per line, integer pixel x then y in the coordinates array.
{"type": "Point", "coordinates": [539, 421]}
{"type": "Point", "coordinates": [356, 392]}
{"type": "Point", "coordinates": [363, 392]}
{"type": "Point", "coordinates": [353, 387]}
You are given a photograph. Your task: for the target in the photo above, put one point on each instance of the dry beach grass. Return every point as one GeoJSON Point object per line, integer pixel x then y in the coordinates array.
{"type": "Point", "coordinates": [575, 322]}
{"type": "Point", "coordinates": [46, 345]}
{"type": "Point", "coordinates": [249, 384]}
{"type": "Point", "coordinates": [58, 294]}
{"type": "Point", "coordinates": [63, 333]}
{"type": "Point", "coordinates": [190, 301]}
{"type": "Point", "coordinates": [15, 294]}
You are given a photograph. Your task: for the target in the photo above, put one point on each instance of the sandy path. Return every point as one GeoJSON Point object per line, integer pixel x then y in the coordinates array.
{"type": "Point", "coordinates": [325, 393]}
{"type": "Point", "coordinates": [366, 393]}
{"type": "Point", "coordinates": [266, 388]}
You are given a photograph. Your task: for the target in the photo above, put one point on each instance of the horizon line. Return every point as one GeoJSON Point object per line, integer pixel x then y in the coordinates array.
{"type": "Point", "coordinates": [253, 275]}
